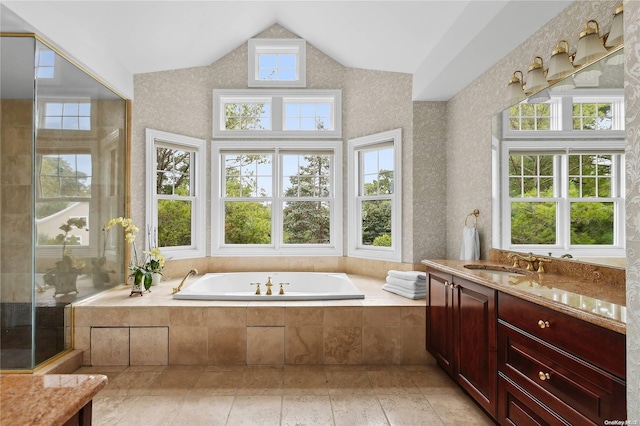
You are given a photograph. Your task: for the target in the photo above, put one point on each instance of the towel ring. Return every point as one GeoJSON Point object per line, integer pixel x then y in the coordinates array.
{"type": "Point", "coordinates": [475, 215]}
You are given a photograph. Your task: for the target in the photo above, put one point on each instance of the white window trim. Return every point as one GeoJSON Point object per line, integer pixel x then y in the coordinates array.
{"type": "Point", "coordinates": [562, 112]}
{"type": "Point", "coordinates": [563, 246]}
{"type": "Point", "coordinates": [277, 99]}
{"type": "Point", "coordinates": [355, 247]}
{"type": "Point", "coordinates": [197, 249]}
{"type": "Point", "coordinates": [218, 248]}
{"type": "Point", "coordinates": [270, 45]}
{"type": "Point", "coordinates": [41, 113]}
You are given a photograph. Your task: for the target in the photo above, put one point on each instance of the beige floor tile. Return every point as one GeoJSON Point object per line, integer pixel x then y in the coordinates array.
{"type": "Point", "coordinates": [357, 409]}
{"type": "Point", "coordinates": [348, 381]}
{"type": "Point", "coordinates": [219, 382]}
{"type": "Point", "coordinates": [151, 410]}
{"type": "Point", "coordinates": [130, 383]}
{"type": "Point", "coordinates": [433, 380]}
{"type": "Point", "coordinates": [261, 380]}
{"type": "Point", "coordinates": [391, 380]}
{"type": "Point", "coordinates": [174, 382]}
{"type": "Point", "coordinates": [203, 410]}
{"type": "Point", "coordinates": [255, 410]}
{"type": "Point", "coordinates": [408, 410]}
{"type": "Point", "coordinates": [305, 380]}
{"type": "Point", "coordinates": [306, 410]}
{"type": "Point", "coordinates": [108, 410]}
{"type": "Point", "coordinates": [458, 410]}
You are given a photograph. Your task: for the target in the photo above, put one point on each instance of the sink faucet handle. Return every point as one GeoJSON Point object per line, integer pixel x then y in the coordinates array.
{"type": "Point", "coordinates": [257, 287]}
{"type": "Point", "coordinates": [540, 267]}
{"type": "Point", "coordinates": [282, 289]}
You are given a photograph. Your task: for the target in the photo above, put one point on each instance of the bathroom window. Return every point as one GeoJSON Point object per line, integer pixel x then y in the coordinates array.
{"type": "Point", "coordinates": [67, 115]}
{"type": "Point", "coordinates": [282, 113]}
{"type": "Point", "coordinates": [175, 193]}
{"type": "Point", "coordinates": [276, 198]}
{"type": "Point", "coordinates": [375, 214]}
{"type": "Point", "coordinates": [573, 115]}
{"type": "Point", "coordinates": [559, 200]}
{"type": "Point", "coordinates": [277, 63]}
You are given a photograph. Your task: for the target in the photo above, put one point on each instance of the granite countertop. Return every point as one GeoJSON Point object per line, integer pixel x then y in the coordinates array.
{"type": "Point", "coordinates": [599, 304]}
{"type": "Point", "coordinates": [49, 399]}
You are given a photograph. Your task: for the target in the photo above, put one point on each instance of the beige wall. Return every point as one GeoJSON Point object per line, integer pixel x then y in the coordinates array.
{"type": "Point", "coordinates": [468, 148]}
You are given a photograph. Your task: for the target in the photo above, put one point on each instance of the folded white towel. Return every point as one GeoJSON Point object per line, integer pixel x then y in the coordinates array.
{"type": "Point", "coordinates": [408, 275]}
{"type": "Point", "coordinates": [404, 293]}
{"type": "Point", "coordinates": [409, 285]}
{"type": "Point", "coordinates": [470, 247]}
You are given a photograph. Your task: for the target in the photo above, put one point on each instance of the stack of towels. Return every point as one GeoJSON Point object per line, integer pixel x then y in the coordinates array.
{"type": "Point", "coordinates": [410, 284]}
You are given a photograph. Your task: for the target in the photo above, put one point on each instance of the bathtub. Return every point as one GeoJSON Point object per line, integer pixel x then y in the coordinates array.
{"type": "Point", "coordinates": [302, 286]}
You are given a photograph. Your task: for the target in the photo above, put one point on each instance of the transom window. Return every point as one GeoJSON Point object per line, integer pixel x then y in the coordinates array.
{"type": "Point", "coordinates": [45, 64]}
{"type": "Point", "coordinates": [67, 115]}
{"type": "Point", "coordinates": [277, 113]}
{"type": "Point", "coordinates": [279, 198]}
{"type": "Point", "coordinates": [277, 63]}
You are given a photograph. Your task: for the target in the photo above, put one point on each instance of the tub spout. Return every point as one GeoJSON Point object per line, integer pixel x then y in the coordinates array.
{"type": "Point", "coordinates": [189, 274]}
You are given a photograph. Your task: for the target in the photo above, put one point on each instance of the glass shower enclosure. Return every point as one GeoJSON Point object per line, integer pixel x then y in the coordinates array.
{"type": "Point", "coordinates": [63, 144]}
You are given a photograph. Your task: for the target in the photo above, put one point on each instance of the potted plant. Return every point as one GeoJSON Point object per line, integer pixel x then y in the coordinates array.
{"type": "Point", "coordinates": [64, 275]}
{"type": "Point", "coordinates": [142, 269]}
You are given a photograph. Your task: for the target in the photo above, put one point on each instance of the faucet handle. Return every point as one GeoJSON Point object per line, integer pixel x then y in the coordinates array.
{"type": "Point", "coordinates": [282, 289]}
{"type": "Point", "coordinates": [257, 287]}
{"type": "Point", "coordinates": [540, 267]}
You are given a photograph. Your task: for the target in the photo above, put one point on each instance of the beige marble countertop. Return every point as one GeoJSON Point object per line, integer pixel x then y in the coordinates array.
{"type": "Point", "coordinates": [599, 304]}
{"type": "Point", "coordinates": [49, 399]}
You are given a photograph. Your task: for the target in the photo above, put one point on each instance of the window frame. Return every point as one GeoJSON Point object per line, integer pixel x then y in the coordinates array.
{"type": "Point", "coordinates": [258, 46]}
{"type": "Point", "coordinates": [562, 123]}
{"type": "Point", "coordinates": [156, 138]}
{"type": "Point", "coordinates": [278, 100]}
{"type": "Point", "coordinates": [277, 247]}
{"type": "Point", "coordinates": [42, 114]}
{"type": "Point", "coordinates": [355, 247]}
{"type": "Point", "coordinates": [563, 244]}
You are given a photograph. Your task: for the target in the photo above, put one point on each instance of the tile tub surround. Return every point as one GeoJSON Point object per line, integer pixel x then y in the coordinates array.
{"type": "Point", "coordinates": [155, 329]}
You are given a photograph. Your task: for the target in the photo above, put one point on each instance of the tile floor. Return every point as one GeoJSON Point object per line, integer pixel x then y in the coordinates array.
{"type": "Point", "coordinates": [282, 395]}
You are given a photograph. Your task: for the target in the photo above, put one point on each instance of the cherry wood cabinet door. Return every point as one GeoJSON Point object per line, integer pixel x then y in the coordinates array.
{"type": "Point", "coordinates": [440, 320]}
{"type": "Point", "coordinates": [475, 333]}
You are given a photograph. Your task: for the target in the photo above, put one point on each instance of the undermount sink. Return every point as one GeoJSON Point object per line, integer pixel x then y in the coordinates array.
{"type": "Point", "coordinates": [497, 269]}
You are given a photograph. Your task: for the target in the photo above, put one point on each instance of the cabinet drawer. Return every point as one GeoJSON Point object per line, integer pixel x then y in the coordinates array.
{"type": "Point", "coordinates": [518, 408]}
{"type": "Point", "coordinates": [599, 346]}
{"type": "Point", "coordinates": [576, 390]}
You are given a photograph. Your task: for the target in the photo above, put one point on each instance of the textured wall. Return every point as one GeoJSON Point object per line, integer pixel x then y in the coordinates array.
{"type": "Point", "coordinates": [429, 177]}
{"type": "Point", "coordinates": [632, 126]}
{"type": "Point", "coordinates": [180, 101]}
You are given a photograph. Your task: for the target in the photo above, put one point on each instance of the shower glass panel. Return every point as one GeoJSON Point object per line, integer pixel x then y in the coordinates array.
{"type": "Point", "coordinates": [63, 155]}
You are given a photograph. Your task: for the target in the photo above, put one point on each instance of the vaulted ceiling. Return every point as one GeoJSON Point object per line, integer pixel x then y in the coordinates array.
{"type": "Point", "coordinates": [445, 44]}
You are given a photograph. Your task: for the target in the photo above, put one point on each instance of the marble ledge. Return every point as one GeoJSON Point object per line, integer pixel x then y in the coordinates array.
{"type": "Point", "coordinates": [52, 399]}
{"type": "Point", "coordinates": [599, 304]}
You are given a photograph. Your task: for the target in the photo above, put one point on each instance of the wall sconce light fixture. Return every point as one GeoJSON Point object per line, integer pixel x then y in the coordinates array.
{"type": "Point", "coordinates": [617, 29]}
{"type": "Point", "coordinates": [515, 89]}
{"type": "Point", "coordinates": [590, 46]}
{"type": "Point", "coordinates": [535, 77]}
{"type": "Point", "coordinates": [560, 65]}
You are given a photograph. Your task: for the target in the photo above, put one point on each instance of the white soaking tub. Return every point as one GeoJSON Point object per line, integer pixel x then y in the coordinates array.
{"type": "Point", "coordinates": [301, 286]}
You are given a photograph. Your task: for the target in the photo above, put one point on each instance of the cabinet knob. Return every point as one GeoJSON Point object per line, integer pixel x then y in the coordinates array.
{"type": "Point", "coordinates": [543, 324]}
{"type": "Point", "coordinates": [544, 376]}
{"type": "Point", "coordinates": [446, 283]}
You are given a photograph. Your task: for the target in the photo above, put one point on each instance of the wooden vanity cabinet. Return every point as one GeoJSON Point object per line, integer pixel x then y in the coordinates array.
{"type": "Point", "coordinates": [461, 334]}
{"type": "Point", "coordinates": [557, 369]}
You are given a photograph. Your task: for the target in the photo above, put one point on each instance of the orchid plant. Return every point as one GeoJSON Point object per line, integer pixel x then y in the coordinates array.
{"type": "Point", "coordinates": [142, 268]}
